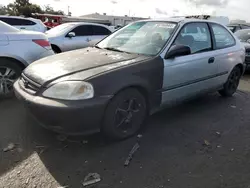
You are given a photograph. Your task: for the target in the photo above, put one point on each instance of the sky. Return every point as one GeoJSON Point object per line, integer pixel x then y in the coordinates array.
{"type": "Point", "coordinates": [234, 9]}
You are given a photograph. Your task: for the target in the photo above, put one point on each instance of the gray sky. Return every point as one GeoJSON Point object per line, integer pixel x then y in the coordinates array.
{"type": "Point", "coordinates": [234, 9]}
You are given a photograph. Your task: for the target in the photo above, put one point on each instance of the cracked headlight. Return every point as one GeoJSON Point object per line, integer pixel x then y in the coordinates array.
{"type": "Point", "coordinates": [70, 90]}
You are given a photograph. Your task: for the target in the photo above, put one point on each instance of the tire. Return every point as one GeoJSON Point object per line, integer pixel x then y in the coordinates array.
{"type": "Point", "coordinates": [124, 114]}
{"type": "Point", "coordinates": [56, 49]}
{"type": "Point", "coordinates": [10, 71]}
{"type": "Point", "coordinates": [230, 87]}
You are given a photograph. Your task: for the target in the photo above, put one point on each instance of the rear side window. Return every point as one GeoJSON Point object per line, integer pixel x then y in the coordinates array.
{"type": "Point", "coordinates": [223, 39]}
{"type": "Point", "coordinates": [83, 30]}
{"type": "Point", "coordinates": [99, 30]}
{"type": "Point", "coordinates": [16, 21]}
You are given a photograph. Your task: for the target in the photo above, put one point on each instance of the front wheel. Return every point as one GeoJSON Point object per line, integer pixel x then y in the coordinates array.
{"type": "Point", "coordinates": [232, 83]}
{"type": "Point", "coordinates": [125, 114]}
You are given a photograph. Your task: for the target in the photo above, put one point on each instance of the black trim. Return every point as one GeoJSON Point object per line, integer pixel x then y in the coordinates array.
{"type": "Point", "coordinates": [193, 81]}
{"type": "Point", "coordinates": [212, 36]}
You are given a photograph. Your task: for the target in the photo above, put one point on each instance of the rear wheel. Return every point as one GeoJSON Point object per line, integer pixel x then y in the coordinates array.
{"type": "Point", "coordinates": [125, 114]}
{"type": "Point", "coordinates": [9, 73]}
{"type": "Point", "coordinates": [230, 87]}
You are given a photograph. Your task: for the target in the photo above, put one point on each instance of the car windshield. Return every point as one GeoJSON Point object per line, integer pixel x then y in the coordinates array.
{"type": "Point", "coordinates": [243, 35]}
{"type": "Point", "coordinates": [58, 29]}
{"type": "Point", "coordinates": [145, 37]}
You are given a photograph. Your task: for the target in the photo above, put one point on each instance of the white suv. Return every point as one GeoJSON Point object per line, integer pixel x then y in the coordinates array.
{"type": "Point", "coordinates": [18, 49]}
{"type": "Point", "coordinates": [24, 23]}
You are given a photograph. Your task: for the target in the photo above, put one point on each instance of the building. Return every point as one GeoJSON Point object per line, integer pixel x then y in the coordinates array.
{"type": "Point", "coordinates": [238, 21]}
{"type": "Point", "coordinates": [115, 20]}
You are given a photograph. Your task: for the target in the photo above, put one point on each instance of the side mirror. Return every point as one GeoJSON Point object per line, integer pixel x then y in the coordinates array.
{"type": "Point", "coordinates": [177, 50]}
{"type": "Point", "coordinates": [71, 34]}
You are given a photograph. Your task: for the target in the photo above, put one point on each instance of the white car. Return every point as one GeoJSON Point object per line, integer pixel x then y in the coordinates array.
{"type": "Point", "coordinates": [24, 23]}
{"type": "Point", "coordinates": [17, 50]}
{"type": "Point", "coordinates": [72, 36]}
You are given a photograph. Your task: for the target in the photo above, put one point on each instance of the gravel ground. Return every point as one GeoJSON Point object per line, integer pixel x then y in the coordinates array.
{"type": "Point", "coordinates": [203, 143]}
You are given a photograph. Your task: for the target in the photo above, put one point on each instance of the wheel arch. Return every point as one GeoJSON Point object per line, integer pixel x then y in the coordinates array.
{"type": "Point", "coordinates": [143, 89]}
{"type": "Point", "coordinates": [19, 61]}
{"type": "Point", "coordinates": [56, 47]}
{"type": "Point", "coordinates": [241, 67]}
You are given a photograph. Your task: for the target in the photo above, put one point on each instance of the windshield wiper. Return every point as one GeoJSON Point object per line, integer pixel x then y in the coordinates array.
{"type": "Point", "coordinates": [114, 49]}
{"type": "Point", "coordinates": [97, 47]}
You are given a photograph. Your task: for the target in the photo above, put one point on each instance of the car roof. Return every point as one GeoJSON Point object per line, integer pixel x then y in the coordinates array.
{"type": "Point", "coordinates": [181, 20]}
{"type": "Point", "coordinates": [85, 23]}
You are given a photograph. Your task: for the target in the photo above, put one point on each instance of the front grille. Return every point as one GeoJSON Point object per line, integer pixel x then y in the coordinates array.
{"type": "Point", "coordinates": [29, 85]}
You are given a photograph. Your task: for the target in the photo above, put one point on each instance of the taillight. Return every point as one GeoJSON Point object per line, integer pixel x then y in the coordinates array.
{"type": "Point", "coordinates": [43, 43]}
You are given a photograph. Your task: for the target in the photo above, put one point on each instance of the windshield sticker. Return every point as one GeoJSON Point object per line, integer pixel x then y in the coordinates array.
{"type": "Point", "coordinates": [168, 26]}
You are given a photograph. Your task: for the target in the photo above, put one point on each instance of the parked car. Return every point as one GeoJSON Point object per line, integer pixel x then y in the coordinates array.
{"type": "Point", "coordinates": [17, 50]}
{"type": "Point", "coordinates": [30, 24]}
{"type": "Point", "coordinates": [72, 36]}
{"type": "Point", "coordinates": [244, 37]}
{"type": "Point", "coordinates": [113, 86]}
{"type": "Point", "coordinates": [236, 27]}
{"type": "Point", "coordinates": [114, 28]}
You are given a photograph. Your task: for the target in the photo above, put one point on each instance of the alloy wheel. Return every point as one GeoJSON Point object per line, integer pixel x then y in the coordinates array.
{"type": "Point", "coordinates": [7, 79]}
{"type": "Point", "coordinates": [126, 114]}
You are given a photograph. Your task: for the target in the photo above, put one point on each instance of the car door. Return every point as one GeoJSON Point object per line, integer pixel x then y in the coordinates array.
{"type": "Point", "coordinates": [81, 39]}
{"type": "Point", "coordinates": [188, 75]}
{"type": "Point", "coordinates": [225, 50]}
{"type": "Point", "coordinates": [99, 32]}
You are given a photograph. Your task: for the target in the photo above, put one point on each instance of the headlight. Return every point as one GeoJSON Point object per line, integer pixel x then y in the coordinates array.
{"type": "Point", "coordinates": [70, 90]}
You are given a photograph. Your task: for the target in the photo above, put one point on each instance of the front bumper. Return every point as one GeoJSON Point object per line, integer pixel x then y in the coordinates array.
{"type": "Point", "coordinates": [63, 116]}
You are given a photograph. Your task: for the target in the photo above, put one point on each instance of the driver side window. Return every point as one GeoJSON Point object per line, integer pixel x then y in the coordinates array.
{"type": "Point", "coordinates": [196, 36]}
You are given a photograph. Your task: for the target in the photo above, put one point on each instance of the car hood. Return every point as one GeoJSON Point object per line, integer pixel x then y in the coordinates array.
{"type": "Point", "coordinates": [51, 68]}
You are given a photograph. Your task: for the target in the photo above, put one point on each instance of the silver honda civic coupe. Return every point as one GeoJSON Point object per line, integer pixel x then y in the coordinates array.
{"type": "Point", "coordinates": [130, 74]}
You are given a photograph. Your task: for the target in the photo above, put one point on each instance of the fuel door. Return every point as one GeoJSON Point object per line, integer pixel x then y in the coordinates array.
{"type": "Point", "coordinates": [4, 40]}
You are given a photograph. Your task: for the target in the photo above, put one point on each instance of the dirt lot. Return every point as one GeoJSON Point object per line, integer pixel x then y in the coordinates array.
{"type": "Point", "coordinates": [204, 143]}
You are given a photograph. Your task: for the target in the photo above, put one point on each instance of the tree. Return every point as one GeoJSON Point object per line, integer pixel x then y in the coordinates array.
{"type": "Point", "coordinates": [3, 10]}
{"type": "Point", "coordinates": [25, 8]}
{"type": "Point", "coordinates": [49, 10]}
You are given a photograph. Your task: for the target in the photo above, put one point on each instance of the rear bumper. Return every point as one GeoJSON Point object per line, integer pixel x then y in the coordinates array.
{"type": "Point", "coordinates": [68, 117]}
{"type": "Point", "coordinates": [45, 53]}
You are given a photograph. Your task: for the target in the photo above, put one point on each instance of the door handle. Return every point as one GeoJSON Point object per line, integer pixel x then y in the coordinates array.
{"type": "Point", "coordinates": [88, 40]}
{"type": "Point", "coordinates": [211, 60]}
